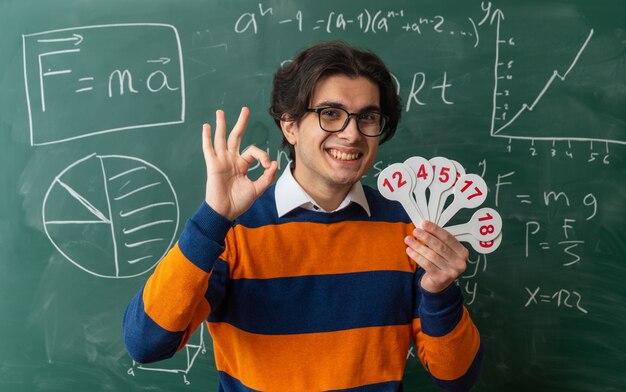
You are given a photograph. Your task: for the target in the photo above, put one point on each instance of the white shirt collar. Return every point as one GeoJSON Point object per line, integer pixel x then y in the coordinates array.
{"type": "Point", "coordinates": [290, 195]}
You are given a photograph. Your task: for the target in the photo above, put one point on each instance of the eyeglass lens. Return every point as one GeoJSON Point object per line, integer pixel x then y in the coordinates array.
{"type": "Point", "coordinates": [336, 119]}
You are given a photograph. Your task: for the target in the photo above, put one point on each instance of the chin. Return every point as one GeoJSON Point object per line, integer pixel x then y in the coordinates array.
{"type": "Point", "coordinates": [347, 180]}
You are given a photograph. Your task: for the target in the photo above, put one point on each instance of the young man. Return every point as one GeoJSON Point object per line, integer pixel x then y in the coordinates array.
{"type": "Point", "coordinates": [316, 282]}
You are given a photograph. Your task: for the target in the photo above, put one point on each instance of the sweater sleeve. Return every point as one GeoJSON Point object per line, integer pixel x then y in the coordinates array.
{"type": "Point", "coordinates": [448, 342]}
{"type": "Point", "coordinates": [163, 315]}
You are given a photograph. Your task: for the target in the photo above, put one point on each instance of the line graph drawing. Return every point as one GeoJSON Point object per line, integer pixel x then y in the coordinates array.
{"type": "Point", "coordinates": [112, 216]}
{"type": "Point", "coordinates": [525, 107]}
{"type": "Point", "coordinates": [500, 124]}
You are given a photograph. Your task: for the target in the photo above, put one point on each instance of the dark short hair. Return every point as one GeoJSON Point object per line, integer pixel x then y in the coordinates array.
{"type": "Point", "coordinates": [294, 83]}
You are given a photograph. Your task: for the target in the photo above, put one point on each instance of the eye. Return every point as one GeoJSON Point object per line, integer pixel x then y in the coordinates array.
{"type": "Point", "coordinates": [369, 117]}
{"type": "Point", "coordinates": [330, 113]}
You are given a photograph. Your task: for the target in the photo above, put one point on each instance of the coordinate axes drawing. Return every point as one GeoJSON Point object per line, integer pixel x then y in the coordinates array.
{"type": "Point", "coordinates": [501, 117]}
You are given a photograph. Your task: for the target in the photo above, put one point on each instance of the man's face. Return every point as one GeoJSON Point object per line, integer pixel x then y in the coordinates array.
{"type": "Point", "coordinates": [334, 161]}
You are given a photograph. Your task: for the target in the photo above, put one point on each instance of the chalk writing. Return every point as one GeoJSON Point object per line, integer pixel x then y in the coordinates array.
{"type": "Point", "coordinates": [504, 115]}
{"type": "Point", "coordinates": [193, 348]}
{"type": "Point", "coordinates": [365, 21]}
{"type": "Point", "coordinates": [417, 85]}
{"type": "Point", "coordinates": [116, 223]}
{"type": "Point", "coordinates": [476, 266]}
{"type": "Point", "coordinates": [562, 297]}
{"type": "Point", "coordinates": [77, 70]}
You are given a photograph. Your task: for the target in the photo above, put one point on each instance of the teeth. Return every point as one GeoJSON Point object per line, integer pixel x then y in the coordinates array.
{"type": "Point", "coordinates": [342, 156]}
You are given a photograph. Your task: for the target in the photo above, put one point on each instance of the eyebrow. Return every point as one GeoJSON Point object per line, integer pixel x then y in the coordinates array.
{"type": "Point", "coordinates": [368, 108]}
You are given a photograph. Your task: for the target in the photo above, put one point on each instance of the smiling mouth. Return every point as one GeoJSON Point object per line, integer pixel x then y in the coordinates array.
{"type": "Point", "coordinates": [343, 156]}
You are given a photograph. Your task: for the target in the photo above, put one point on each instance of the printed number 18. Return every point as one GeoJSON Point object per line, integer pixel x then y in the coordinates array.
{"type": "Point", "coordinates": [486, 229]}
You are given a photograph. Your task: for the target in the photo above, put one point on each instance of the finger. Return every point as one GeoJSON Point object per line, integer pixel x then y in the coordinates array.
{"type": "Point", "coordinates": [207, 146]}
{"type": "Point", "coordinates": [437, 272]}
{"type": "Point", "coordinates": [234, 139]}
{"type": "Point", "coordinates": [219, 143]}
{"type": "Point", "coordinates": [266, 179]}
{"type": "Point", "coordinates": [434, 244]}
{"type": "Point", "coordinates": [445, 237]}
{"type": "Point", "coordinates": [253, 153]}
{"type": "Point", "coordinates": [423, 255]}
{"type": "Point", "coordinates": [423, 262]}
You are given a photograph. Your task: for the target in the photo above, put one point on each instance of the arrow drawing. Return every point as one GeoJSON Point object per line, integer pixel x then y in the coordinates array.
{"type": "Point", "coordinates": [75, 37]}
{"type": "Point", "coordinates": [163, 60]}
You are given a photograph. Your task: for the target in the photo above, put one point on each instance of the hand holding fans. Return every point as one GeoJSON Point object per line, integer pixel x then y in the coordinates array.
{"type": "Point", "coordinates": [409, 182]}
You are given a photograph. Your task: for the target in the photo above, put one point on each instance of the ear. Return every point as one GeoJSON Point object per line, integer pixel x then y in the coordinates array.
{"type": "Point", "coordinates": [290, 130]}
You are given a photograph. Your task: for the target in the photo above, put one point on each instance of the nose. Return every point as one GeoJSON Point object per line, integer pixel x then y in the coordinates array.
{"type": "Point", "coordinates": [351, 131]}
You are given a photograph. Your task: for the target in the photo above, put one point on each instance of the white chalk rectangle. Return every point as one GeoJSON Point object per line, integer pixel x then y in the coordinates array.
{"type": "Point", "coordinates": [92, 80]}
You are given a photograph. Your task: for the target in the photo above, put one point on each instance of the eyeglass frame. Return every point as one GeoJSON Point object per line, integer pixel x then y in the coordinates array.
{"type": "Point", "coordinates": [384, 119]}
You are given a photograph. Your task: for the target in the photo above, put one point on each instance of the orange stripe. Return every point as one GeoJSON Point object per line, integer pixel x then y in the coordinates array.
{"type": "Point", "coordinates": [312, 362]}
{"type": "Point", "coordinates": [449, 357]}
{"type": "Point", "coordinates": [200, 315]}
{"type": "Point", "coordinates": [366, 246]}
{"type": "Point", "coordinates": [178, 281]}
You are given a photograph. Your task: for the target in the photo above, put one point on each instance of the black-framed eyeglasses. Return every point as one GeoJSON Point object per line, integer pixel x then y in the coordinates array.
{"type": "Point", "coordinates": [333, 119]}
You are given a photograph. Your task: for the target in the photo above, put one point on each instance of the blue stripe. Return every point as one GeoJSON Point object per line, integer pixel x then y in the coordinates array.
{"type": "Point", "coordinates": [263, 212]}
{"type": "Point", "coordinates": [145, 340]}
{"type": "Point", "coordinates": [392, 386]}
{"type": "Point", "coordinates": [384, 210]}
{"type": "Point", "coordinates": [228, 383]}
{"type": "Point", "coordinates": [320, 303]}
{"type": "Point", "coordinates": [441, 312]}
{"type": "Point", "coordinates": [202, 240]}
{"type": "Point", "coordinates": [216, 289]}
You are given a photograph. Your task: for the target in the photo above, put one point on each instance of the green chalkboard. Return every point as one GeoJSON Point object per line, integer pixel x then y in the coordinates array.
{"type": "Point", "coordinates": [530, 95]}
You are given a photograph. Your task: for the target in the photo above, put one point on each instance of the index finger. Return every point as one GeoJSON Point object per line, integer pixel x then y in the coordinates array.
{"type": "Point", "coordinates": [253, 153]}
{"type": "Point", "coordinates": [444, 236]}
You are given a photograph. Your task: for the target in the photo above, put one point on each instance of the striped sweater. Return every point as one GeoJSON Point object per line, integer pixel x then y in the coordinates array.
{"type": "Point", "coordinates": [310, 301]}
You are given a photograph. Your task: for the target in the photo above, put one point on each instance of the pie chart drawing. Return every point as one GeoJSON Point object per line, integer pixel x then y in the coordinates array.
{"type": "Point", "coordinates": [112, 216]}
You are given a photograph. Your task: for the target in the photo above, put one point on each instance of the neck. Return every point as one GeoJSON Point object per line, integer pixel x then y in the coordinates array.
{"type": "Point", "coordinates": [327, 196]}
{"type": "Point", "coordinates": [329, 201]}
